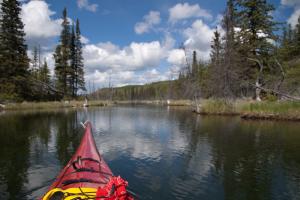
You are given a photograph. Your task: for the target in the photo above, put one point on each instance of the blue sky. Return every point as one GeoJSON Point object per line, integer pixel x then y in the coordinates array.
{"type": "Point", "coordinates": [134, 41]}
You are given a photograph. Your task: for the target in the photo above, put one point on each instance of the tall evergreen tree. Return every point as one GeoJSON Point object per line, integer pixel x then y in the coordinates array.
{"type": "Point", "coordinates": [216, 65]}
{"type": "Point", "coordinates": [256, 30]}
{"type": "Point", "coordinates": [257, 26]}
{"type": "Point", "coordinates": [14, 62]}
{"type": "Point", "coordinates": [73, 62]}
{"type": "Point", "coordinates": [194, 65]}
{"type": "Point", "coordinates": [297, 38]}
{"type": "Point", "coordinates": [45, 73]}
{"type": "Point", "coordinates": [62, 58]}
{"type": "Point", "coordinates": [231, 62]}
{"type": "Point", "coordinates": [35, 63]}
{"type": "Point", "coordinates": [79, 72]}
{"type": "Point", "coordinates": [216, 48]}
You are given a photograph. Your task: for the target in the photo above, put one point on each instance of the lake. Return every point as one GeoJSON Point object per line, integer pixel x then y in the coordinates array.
{"type": "Point", "coordinates": [163, 152]}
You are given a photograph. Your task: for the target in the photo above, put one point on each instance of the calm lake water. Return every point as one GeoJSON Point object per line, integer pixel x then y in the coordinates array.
{"type": "Point", "coordinates": [164, 153]}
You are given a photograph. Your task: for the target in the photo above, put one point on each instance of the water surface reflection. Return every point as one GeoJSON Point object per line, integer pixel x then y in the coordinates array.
{"type": "Point", "coordinates": [164, 153]}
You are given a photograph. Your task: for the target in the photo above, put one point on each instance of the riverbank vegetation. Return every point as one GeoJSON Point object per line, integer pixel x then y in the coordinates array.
{"type": "Point", "coordinates": [51, 105]}
{"type": "Point", "coordinates": [250, 109]}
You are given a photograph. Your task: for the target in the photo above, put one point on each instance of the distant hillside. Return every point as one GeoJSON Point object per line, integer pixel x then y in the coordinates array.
{"type": "Point", "coordinates": [156, 90]}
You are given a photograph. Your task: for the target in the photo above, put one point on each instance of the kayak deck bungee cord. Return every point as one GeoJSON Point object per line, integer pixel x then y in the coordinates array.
{"type": "Point", "coordinates": [87, 176]}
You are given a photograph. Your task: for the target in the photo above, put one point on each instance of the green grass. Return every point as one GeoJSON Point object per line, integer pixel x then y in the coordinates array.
{"type": "Point", "coordinates": [286, 110]}
{"type": "Point", "coordinates": [280, 110]}
{"type": "Point", "coordinates": [218, 106]}
{"type": "Point", "coordinates": [290, 109]}
{"type": "Point", "coordinates": [51, 105]}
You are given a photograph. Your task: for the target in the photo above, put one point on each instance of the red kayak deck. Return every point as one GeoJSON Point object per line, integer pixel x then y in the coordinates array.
{"type": "Point", "coordinates": [86, 169]}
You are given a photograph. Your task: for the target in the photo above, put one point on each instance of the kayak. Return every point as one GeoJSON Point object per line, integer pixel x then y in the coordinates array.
{"type": "Point", "coordinates": [87, 176]}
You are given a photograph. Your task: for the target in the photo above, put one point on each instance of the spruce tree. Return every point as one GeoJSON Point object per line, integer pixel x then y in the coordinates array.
{"type": "Point", "coordinates": [216, 68]}
{"type": "Point", "coordinates": [257, 27]}
{"type": "Point", "coordinates": [216, 49]}
{"type": "Point", "coordinates": [73, 62]}
{"type": "Point", "coordinates": [45, 73]}
{"type": "Point", "coordinates": [194, 65]}
{"type": "Point", "coordinates": [231, 62]}
{"type": "Point", "coordinates": [297, 39]}
{"type": "Point", "coordinates": [14, 62]}
{"type": "Point", "coordinates": [79, 81]}
{"type": "Point", "coordinates": [62, 58]}
{"type": "Point", "coordinates": [35, 65]}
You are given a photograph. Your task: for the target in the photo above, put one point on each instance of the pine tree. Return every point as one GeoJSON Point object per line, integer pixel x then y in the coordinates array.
{"type": "Point", "coordinates": [297, 39]}
{"type": "Point", "coordinates": [14, 62]}
{"type": "Point", "coordinates": [73, 72]}
{"type": "Point", "coordinates": [62, 58]}
{"type": "Point", "coordinates": [256, 30]}
{"type": "Point", "coordinates": [35, 65]}
{"type": "Point", "coordinates": [216, 68]}
{"type": "Point", "coordinates": [216, 49]}
{"type": "Point", "coordinates": [194, 65]}
{"type": "Point", "coordinates": [257, 26]}
{"type": "Point", "coordinates": [45, 73]}
{"type": "Point", "coordinates": [287, 45]}
{"type": "Point", "coordinates": [231, 62]}
{"type": "Point", "coordinates": [79, 80]}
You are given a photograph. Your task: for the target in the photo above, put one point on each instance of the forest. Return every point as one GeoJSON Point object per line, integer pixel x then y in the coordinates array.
{"type": "Point", "coordinates": [22, 78]}
{"type": "Point", "coordinates": [252, 56]}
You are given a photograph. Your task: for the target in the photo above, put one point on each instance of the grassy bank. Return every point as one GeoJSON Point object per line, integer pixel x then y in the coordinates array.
{"type": "Point", "coordinates": [50, 105]}
{"type": "Point", "coordinates": [285, 110]}
{"type": "Point", "coordinates": [77, 104]}
{"type": "Point", "coordinates": [277, 110]}
{"type": "Point", "coordinates": [157, 102]}
{"type": "Point", "coordinates": [247, 109]}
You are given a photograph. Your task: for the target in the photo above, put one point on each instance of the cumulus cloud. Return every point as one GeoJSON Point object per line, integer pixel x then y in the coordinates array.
{"type": "Point", "coordinates": [290, 2]}
{"type": "Point", "coordinates": [185, 11]}
{"type": "Point", "coordinates": [84, 40]}
{"type": "Point", "coordinates": [136, 56]}
{"type": "Point", "coordinates": [36, 17]}
{"type": "Point", "coordinates": [85, 4]}
{"type": "Point", "coordinates": [153, 18]}
{"type": "Point", "coordinates": [293, 19]}
{"type": "Point", "coordinates": [198, 37]}
{"type": "Point", "coordinates": [121, 78]}
{"type": "Point", "coordinates": [176, 57]}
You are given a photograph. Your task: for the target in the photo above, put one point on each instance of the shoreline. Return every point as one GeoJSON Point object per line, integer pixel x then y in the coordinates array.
{"type": "Point", "coordinates": [245, 109]}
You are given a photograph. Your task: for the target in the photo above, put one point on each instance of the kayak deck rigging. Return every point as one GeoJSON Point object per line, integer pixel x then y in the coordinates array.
{"type": "Point", "coordinates": [87, 176]}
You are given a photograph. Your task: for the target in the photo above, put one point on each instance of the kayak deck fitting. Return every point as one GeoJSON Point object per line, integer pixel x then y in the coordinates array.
{"type": "Point", "coordinates": [87, 176]}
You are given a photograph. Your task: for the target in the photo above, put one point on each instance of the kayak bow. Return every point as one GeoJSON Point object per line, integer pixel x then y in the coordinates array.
{"type": "Point", "coordinates": [87, 176]}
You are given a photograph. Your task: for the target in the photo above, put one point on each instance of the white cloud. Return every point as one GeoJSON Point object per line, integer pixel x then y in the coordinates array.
{"type": "Point", "coordinates": [36, 16]}
{"type": "Point", "coordinates": [293, 20]}
{"type": "Point", "coordinates": [176, 57]}
{"type": "Point", "coordinates": [121, 78]}
{"type": "Point", "coordinates": [290, 2]}
{"type": "Point", "coordinates": [199, 37]}
{"type": "Point", "coordinates": [153, 18]}
{"type": "Point", "coordinates": [185, 11]}
{"type": "Point", "coordinates": [136, 56]}
{"type": "Point", "coordinates": [84, 40]}
{"type": "Point", "coordinates": [84, 4]}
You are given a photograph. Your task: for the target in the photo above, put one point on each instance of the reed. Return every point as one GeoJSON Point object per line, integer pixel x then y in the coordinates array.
{"type": "Point", "coordinates": [249, 109]}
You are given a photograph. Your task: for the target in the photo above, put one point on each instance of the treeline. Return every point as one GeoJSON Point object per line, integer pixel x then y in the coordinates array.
{"type": "Point", "coordinates": [22, 78]}
{"type": "Point", "coordinates": [252, 56]}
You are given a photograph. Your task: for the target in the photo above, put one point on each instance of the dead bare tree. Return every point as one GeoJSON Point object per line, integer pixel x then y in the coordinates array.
{"type": "Point", "coordinates": [258, 83]}
{"type": "Point", "coordinates": [282, 75]}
